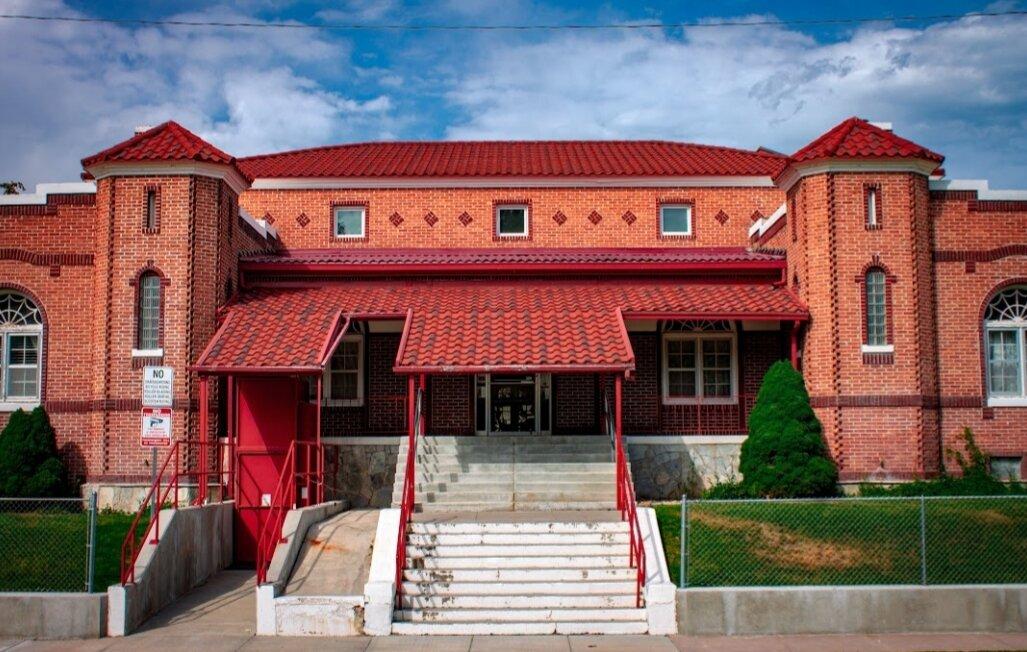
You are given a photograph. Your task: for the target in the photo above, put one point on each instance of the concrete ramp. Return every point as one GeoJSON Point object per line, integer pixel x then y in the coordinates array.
{"type": "Point", "coordinates": [335, 556]}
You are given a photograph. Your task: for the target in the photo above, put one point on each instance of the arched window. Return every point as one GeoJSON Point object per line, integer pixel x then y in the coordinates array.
{"type": "Point", "coordinates": [876, 308]}
{"type": "Point", "coordinates": [1005, 331]}
{"type": "Point", "coordinates": [21, 336]}
{"type": "Point", "coordinates": [148, 312]}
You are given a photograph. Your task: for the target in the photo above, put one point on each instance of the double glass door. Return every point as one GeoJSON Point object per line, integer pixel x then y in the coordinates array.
{"type": "Point", "coordinates": [512, 404]}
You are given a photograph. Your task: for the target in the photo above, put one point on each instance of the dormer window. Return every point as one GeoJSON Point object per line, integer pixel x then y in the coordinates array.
{"type": "Point", "coordinates": [512, 221]}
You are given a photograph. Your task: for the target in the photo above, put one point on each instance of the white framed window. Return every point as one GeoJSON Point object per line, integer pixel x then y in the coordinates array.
{"type": "Point", "coordinates": [1005, 347]}
{"type": "Point", "coordinates": [349, 221]}
{"type": "Point", "coordinates": [877, 317]}
{"type": "Point", "coordinates": [675, 219]}
{"type": "Point", "coordinates": [344, 376]}
{"type": "Point", "coordinates": [21, 336]}
{"type": "Point", "coordinates": [148, 316]}
{"type": "Point", "coordinates": [512, 221]}
{"type": "Point", "coordinates": [871, 207]}
{"type": "Point", "coordinates": [700, 366]}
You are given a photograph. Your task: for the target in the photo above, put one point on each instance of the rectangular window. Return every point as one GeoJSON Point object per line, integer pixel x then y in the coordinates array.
{"type": "Point", "coordinates": [148, 335]}
{"type": "Point", "coordinates": [676, 220]}
{"type": "Point", "coordinates": [1005, 358]}
{"type": "Point", "coordinates": [150, 223]}
{"type": "Point", "coordinates": [21, 366]}
{"type": "Point", "coordinates": [512, 221]}
{"type": "Point", "coordinates": [877, 319]}
{"type": "Point", "coordinates": [350, 222]}
{"type": "Point", "coordinates": [872, 207]}
{"type": "Point", "coordinates": [699, 366]}
{"type": "Point", "coordinates": [344, 378]}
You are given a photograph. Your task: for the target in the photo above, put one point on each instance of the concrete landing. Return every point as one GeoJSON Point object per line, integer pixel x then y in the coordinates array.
{"type": "Point", "coordinates": [336, 557]}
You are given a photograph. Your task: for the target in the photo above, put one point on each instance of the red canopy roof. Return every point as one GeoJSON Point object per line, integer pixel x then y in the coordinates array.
{"type": "Point", "coordinates": [477, 325]}
{"type": "Point", "coordinates": [857, 138]}
{"type": "Point", "coordinates": [559, 158]}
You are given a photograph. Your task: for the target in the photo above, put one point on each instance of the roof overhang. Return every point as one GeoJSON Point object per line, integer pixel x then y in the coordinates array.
{"type": "Point", "coordinates": [227, 173]}
{"type": "Point", "coordinates": [796, 171]}
{"type": "Point", "coordinates": [332, 183]}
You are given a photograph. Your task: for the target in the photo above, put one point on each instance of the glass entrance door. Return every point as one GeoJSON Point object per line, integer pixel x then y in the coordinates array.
{"type": "Point", "coordinates": [512, 404]}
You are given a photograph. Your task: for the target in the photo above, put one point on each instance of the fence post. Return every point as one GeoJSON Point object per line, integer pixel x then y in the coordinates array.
{"type": "Point", "coordinates": [91, 548]}
{"type": "Point", "coordinates": [683, 562]}
{"type": "Point", "coordinates": [923, 540]}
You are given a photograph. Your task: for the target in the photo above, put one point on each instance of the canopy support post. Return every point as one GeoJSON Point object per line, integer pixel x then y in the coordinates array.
{"type": "Point", "coordinates": [201, 493]}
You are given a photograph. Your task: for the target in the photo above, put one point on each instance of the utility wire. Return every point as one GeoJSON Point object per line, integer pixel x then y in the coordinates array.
{"type": "Point", "coordinates": [513, 27]}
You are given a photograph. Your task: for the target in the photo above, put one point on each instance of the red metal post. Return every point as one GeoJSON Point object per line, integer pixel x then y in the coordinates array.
{"type": "Point", "coordinates": [618, 392]}
{"type": "Point", "coordinates": [320, 448]}
{"type": "Point", "coordinates": [422, 383]}
{"type": "Point", "coordinates": [201, 491]}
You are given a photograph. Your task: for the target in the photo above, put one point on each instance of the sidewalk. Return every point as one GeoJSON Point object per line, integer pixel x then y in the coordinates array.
{"type": "Point", "coordinates": [218, 617]}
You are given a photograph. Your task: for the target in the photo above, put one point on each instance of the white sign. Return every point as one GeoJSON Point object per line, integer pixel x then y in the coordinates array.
{"type": "Point", "coordinates": [158, 386]}
{"type": "Point", "coordinates": [156, 427]}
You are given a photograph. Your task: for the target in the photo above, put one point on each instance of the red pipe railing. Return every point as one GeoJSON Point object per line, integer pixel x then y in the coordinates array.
{"type": "Point", "coordinates": [302, 467]}
{"type": "Point", "coordinates": [166, 490]}
{"type": "Point", "coordinates": [626, 502]}
{"type": "Point", "coordinates": [416, 430]}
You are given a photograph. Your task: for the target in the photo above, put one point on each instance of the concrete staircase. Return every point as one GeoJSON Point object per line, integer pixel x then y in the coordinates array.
{"type": "Point", "coordinates": [503, 473]}
{"type": "Point", "coordinates": [519, 573]}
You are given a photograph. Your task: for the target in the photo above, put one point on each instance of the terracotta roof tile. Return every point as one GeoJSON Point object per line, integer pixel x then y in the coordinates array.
{"type": "Point", "coordinates": [463, 325]}
{"type": "Point", "coordinates": [166, 142]}
{"type": "Point", "coordinates": [857, 138]}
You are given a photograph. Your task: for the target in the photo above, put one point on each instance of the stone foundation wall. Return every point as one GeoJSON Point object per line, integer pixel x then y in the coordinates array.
{"type": "Point", "coordinates": [666, 467]}
{"type": "Point", "coordinates": [362, 473]}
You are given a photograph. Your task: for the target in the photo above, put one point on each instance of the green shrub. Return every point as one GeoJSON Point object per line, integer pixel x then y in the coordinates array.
{"type": "Point", "coordinates": [785, 455]}
{"type": "Point", "coordinates": [29, 465]}
{"type": "Point", "coordinates": [727, 491]}
{"type": "Point", "coordinates": [974, 478]}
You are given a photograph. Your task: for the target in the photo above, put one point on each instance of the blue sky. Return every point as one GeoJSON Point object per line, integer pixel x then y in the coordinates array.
{"type": "Point", "coordinates": [957, 86]}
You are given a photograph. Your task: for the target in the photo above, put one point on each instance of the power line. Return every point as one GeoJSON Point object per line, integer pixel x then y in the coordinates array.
{"type": "Point", "coordinates": [512, 27]}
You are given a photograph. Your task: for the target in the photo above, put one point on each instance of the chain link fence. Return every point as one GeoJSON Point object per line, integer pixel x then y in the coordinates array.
{"type": "Point", "coordinates": [48, 544]}
{"type": "Point", "coordinates": [849, 541]}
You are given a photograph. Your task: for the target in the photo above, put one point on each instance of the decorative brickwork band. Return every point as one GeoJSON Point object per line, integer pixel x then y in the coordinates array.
{"type": "Point", "coordinates": [50, 207]}
{"type": "Point", "coordinates": [996, 206]}
{"type": "Point", "coordinates": [981, 255]}
{"type": "Point", "coordinates": [46, 260]}
{"type": "Point", "coordinates": [110, 405]}
{"type": "Point", "coordinates": [896, 401]}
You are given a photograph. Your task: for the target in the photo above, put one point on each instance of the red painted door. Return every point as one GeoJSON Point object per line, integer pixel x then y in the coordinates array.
{"type": "Point", "coordinates": [268, 419]}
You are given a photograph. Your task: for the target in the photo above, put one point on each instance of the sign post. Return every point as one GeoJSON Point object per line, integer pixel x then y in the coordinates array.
{"type": "Point", "coordinates": [156, 416]}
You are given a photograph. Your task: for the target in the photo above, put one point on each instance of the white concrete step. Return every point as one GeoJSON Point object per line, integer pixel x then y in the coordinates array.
{"type": "Point", "coordinates": [546, 538]}
{"type": "Point", "coordinates": [514, 628]}
{"type": "Point", "coordinates": [529, 506]}
{"type": "Point", "coordinates": [528, 562]}
{"type": "Point", "coordinates": [546, 576]}
{"type": "Point", "coordinates": [518, 528]}
{"type": "Point", "coordinates": [518, 550]}
{"type": "Point", "coordinates": [534, 601]}
{"type": "Point", "coordinates": [434, 587]}
{"type": "Point", "coordinates": [518, 615]}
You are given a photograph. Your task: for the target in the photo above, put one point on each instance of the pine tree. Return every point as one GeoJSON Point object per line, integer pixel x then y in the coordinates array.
{"type": "Point", "coordinates": [29, 464]}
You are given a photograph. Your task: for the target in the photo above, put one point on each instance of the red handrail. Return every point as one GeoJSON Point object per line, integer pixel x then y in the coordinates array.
{"type": "Point", "coordinates": [626, 502]}
{"type": "Point", "coordinates": [170, 478]}
{"type": "Point", "coordinates": [286, 497]}
{"type": "Point", "coordinates": [416, 421]}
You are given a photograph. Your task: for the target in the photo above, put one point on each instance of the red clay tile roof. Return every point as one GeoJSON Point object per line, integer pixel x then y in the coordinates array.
{"type": "Point", "coordinates": [857, 138]}
{"type": "Point", "coordinates": [465, 325]}
{"type": "Point", "coordinates": [514, 159]}
{"type": "Point", "coordinates": [166, 142]}
{"type": "Point", "coordinates": [571, 257]}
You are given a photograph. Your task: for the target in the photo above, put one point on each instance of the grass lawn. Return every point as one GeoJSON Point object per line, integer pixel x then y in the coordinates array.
{"type": "Point", "coordinates": [848, 541]}
{"type": "Point", "coordinates": [46, 551]}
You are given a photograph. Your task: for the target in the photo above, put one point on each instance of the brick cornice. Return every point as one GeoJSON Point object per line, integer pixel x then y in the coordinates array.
{"type": "Point", "coordinates": [979, 255]}
{"type": "Point", "coordinates": [896, 400]}
{"type": "Point", "coordinates": [996, 206]}
{"type": "Point", "coordinates": [51, 205]}
{"type": "Point", "coordinates": [46, 259]}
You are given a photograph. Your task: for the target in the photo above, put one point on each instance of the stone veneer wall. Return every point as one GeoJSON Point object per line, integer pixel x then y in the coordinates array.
{"type": "Point", "coordinates": [664, 468]}
{"type": "Point", "coordinates": [363, 470]}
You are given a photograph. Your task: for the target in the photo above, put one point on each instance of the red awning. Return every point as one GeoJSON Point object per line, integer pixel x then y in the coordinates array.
{"type": "Point", "coordinates": [466, 326]}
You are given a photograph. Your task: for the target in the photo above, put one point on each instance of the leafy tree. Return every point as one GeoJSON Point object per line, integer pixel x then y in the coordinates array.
{"type": "Point", "coordinates": [12, 187]}
{"type": "Point", "coordinates": [785, 454]}
{"type": "Point", "coordinates": [29, 465]}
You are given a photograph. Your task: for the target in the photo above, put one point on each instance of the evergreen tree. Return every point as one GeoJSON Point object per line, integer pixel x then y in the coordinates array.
{"type": "Point", "coordinates": [29, 464]}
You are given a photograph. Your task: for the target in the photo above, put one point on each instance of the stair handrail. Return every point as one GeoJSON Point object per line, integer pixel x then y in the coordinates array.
{"type": "Point", "coordinates": [626, 503]}
{"type": "Point", "coordinates": [409, 491]}
{"type": "Point", "coordinates": [285, 498]}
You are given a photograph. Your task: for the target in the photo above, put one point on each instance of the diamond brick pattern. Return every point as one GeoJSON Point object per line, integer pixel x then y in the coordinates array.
{"type": "Point", "coordinates": [559, 218]}
{"type": "Point", "coordinates": [269, 218]}
{"type": "Point", "coordinates": [396, 219]}
{"type": "Point", "coordinates": [721, 217]}
{"type": "Point", "coordinates": [857, 138]}
{"type": "Point", "coordinates": [608, 158]}
{"type": "Point", "coordinates": [594, 217]}
{"type": "Point", "coordinates": [756, 215]}
{"type": "Point", "coordinates": [464, 324]}
{"type": "Point", "coordinates": [430, 218]}
{"type": "Point", "coordinates": [629, 218]}
{"type": "Point", "coordinates": [465, 218]}
{"type": "Point", "coordinates": [302, 219]}
{"type": "Point", "coordinates": [165, 142]}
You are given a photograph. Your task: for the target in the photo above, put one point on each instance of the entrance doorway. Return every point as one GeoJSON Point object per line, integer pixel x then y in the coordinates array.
{"type": "Point", "coordinates": [508, 404]}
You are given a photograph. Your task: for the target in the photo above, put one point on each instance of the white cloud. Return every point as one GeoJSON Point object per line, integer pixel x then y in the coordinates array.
{"type": "Point", "coordinates": [358, 11]}
{"type": "Point", "coordinates": [957, 87]}
{"type": "Point", "coordinates": [72, 89]}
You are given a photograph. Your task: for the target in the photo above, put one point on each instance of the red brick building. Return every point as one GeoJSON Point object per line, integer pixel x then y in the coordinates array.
{"type": "Point", "coordinates": [520, 279]}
